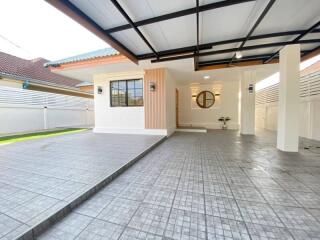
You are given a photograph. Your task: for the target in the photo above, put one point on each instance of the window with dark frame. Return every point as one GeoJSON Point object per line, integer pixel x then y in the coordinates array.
{"type": "Point", "coordinates": [126, 93]}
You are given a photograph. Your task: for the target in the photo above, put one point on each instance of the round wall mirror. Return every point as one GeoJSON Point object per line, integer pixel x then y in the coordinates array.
{"type": "Point", "coordinates": [205, 99]}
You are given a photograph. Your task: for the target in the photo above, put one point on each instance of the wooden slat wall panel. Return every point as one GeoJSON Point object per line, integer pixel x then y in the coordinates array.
{"type": "Point", "coordinates": [155, 102]}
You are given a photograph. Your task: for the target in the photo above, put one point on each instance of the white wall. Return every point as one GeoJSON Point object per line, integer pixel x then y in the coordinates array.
{"type": "Point", "coordinates": [226, 105]}
{"type": "Point", "coordinates": [24, 110]}
{"type": "Point", "coordinates": [26, 118]}
{"type": "Point", "coordinates": [309, 107]}
{"type": "Point", "coordinates": [116, 119]}
{"type": "Point", "coordinates": [170, 103]}
{"type": "Point", "coordinates": [309, 113]}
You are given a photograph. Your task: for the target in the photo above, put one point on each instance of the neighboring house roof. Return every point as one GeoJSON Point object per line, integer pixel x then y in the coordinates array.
{"type": "Point", "coordinates": [105, 52]}
{"type": "Point", "coordinates": [84, 84]}
{"type": "Point", "coordinates": [311, 69]}
{"type": "Point", "coordinates": [33, 71]}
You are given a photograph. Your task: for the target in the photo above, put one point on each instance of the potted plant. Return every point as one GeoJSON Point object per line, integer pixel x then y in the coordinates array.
{"type": "Point", "coordinates": [224, 120]}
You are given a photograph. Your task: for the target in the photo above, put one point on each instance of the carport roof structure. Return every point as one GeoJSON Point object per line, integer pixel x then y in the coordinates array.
{"type": "Point", "coordinates": [210, 31]}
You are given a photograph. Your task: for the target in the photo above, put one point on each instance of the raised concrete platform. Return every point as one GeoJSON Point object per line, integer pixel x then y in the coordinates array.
{"type": "Point", "coordinates": [191, 129]}
{"type": "Point", "coordinates": [43, 180]}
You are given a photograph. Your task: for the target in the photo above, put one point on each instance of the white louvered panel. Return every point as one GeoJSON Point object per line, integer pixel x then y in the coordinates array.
{"type": "Point", "coordinates": [309, 86]}
{"type": "Point", "coordinates": [35, 98]}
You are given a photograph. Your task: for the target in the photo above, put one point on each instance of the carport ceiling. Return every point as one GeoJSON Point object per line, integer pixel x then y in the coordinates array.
{"type": "Point", "coordinates": [210, 31]}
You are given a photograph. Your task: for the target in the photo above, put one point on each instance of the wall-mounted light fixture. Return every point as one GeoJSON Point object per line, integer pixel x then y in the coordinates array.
{"type": "Point", "coordinates": [250, 88]}
{"type": "Point", "coordinates": [99, 90]}
{"type": "Point", "coordinates": [152, 86]}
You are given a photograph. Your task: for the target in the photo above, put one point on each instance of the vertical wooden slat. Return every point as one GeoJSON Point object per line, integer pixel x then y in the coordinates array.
{"type": "Point", "coordinates": [154, 101]}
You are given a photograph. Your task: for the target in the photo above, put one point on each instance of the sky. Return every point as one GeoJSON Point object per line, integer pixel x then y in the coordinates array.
{"type": "Point", "coordinates": [32, 28]}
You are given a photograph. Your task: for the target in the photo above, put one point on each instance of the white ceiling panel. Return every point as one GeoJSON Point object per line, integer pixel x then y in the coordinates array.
{"type": "Point", "coordinates": [312, 36]}
{"type": "Point", "coordinates": [132, 41]}
{"type": "Point", "coordinates": [101, 11]}
{"type": "Point", "coordinates": [156, 35]}
{"type": "Point", "coordinates": [143, 9]}
{"type": "Point", "coordinates": [264, 51]}
{"type": "Point", "coordinates": [226, 46]}
{"type": "Point", "coordinates": [216, 57]}
{"type": "Point", "coordinates": [225, 23]}
{"type": "Point", "coordinates": [270, 40]}
{"type": "Point", "coordinates": [309, 46]}
{"type": "Point", "coordinates": [179, 32]}
{"type": "Point", "coordinates": [287, 15]}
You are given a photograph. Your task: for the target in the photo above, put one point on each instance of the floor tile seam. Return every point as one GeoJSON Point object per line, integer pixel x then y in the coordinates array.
{"type": "Point", "coordinates": [124, 227]}
{"type": "Point", "coordinates": [22, 170]}
{"type": "Point", "coordinates": [140, 204]}
{"type": "Point", "coordinates": [48, 208]}
{"type": "Point", "coordinates": [169, 215]}
{"type": "Point", "coordinates": [124, 167]}
{"type": "Point", "coordinates": [277, 181]}
{"type": "Point", "coordinates": [75, 210]}
{"type": "Point", "coordinates": [245, 224]}
{"type": "Point", "coordinates": [302, 207]}
{"type": "Point", "coordinates": [274, 211]}
{"type": "Point", "coordinates": [21, 224]}
{"type": "Point", "coordinates": [22, 205]}
{"type": "Point", "coordinates": [91, 220]}
{"type": "Point", "coordinates": [317, 193]}
{"type": "Point", "coordinates": [40, 194]}
{"type": "Point", "coordinates": [58, 165]}
{"type": "Point", "coordinates": [204, 201]}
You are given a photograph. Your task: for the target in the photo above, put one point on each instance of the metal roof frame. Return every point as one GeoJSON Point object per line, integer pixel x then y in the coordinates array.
{"type": "Point", "coordinates": [196, 50]}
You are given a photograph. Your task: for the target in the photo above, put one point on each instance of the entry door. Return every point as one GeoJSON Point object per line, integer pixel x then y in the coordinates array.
{"type": "Point", "coordinates": [177, 107]}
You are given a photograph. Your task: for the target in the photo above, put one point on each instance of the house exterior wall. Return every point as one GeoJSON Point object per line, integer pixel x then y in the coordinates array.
{"type": "Point", "coordinates": [116, 119]}
{"type": "Point", "coordinates": [156, 116]}
{"type": "Point", "coordinates": [226, 105]}
{"type": "Point", "coordinates": [155, 101]}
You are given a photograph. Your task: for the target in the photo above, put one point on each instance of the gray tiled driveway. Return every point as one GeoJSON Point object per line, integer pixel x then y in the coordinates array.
{"type": "Point", "coordinates": [218, 185]}
{"type": "Point", "coordinates": [39, 177]}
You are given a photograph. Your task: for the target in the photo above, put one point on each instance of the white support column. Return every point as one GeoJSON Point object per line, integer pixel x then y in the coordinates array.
{"type": "Point", "coordinates": [288, 108]}
{"type": "Point", "coordinates": [247, 123]}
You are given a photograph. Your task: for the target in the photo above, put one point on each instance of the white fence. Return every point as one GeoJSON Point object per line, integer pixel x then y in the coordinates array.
{"type": "Point", "coordinates": [26, 110]}
{"type": "Point", "coordinates": [309, 108]}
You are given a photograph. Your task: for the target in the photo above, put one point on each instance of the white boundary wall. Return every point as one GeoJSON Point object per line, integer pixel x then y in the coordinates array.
{"type": "Point", "coordinates": [26, 110]}
{"type": "Point", "coordinates": [309, 107]}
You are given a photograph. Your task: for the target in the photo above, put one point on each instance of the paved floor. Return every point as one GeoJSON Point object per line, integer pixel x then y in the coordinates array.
{"type": "Point", "coordinates": [39, 177]}
{"type": "Point", "coordinates": [218, 185]}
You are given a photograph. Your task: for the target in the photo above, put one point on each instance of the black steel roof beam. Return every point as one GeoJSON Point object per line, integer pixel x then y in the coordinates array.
{"type": "Point", "coordinates": [77, 15]}
{"type": "Point", "coordinates": [255, 25]}
{"type": "Point", "coordinates": [268, 45]}
{"type": "Point", "coordinates": [196, 58]}
{"type": "Point", "coordinates": [126, 16]}
{"type": "Point", "coordinates": [246, 58]}
{"type": "Point", "coordinates": [303, 34]}
{"type": "Point", "coordinates": [177, 14]}
{"type": "Point", "coordinates": [206, 46]}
